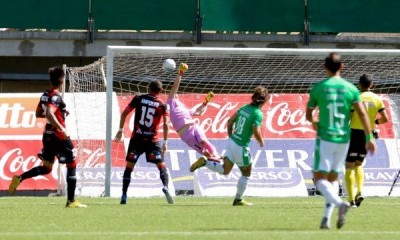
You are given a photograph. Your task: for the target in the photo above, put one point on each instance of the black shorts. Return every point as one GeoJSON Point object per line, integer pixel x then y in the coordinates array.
{"type": "Point", "coordinates": [357, 151]}
{"type": "Point", "coordinates": [152, 150]}
{"type": "Point", "coordinates": [54, 147]}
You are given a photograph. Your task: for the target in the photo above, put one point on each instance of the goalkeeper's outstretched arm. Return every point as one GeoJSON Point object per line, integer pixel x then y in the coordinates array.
{"type": "Point", "coordinates": [183, 67]}
{"type": "Point", "coordinates": [200, 110]}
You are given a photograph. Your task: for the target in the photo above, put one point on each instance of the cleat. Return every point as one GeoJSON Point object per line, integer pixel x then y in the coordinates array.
{"type": "Point", "coordinates": [198, 164]}
{"type": "Point", "coordinates": [170, 200]}
{"type": "Point", "coordinates": [123, 199]}
{"type": "Point", "coordinates": [325, 224]}
{"type": "Point", "coordinates": [359, 199]}
{"type": "Point", "coordinates": [241, 202]}
{"type": "Point", "coordinates": [16, 180]}
{"type": "Point", "coordinates": [353, 204]}
{"type": "Point", "coordinates": [343, 209]}
{"type": "Point", "coordinates": [75, 204]}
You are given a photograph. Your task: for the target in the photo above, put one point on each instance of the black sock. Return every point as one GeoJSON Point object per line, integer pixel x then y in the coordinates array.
{"type": "Point", "coordinates": [126, 180]}
{"type": "Point", "coordinates": [36, 171]}
{"type": "Point", "coordinates": [164, 177]}
{"type": "Point", "coordinates": [71, 183]}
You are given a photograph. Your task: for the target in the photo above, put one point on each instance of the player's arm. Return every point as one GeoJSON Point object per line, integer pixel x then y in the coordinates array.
{"type": "Point", "coordinates": [384, 117]}
{"type": "Point", "coordinates": [362, 113]}
{"type": "Point", "coordinates": [51, 117]}
{"type": "Point", "coordinates": [231, 122]}
{"type": "Point", "coordinates": [257, 123]}
{"type": "Point", "coordinates": [200, 110]}
{"type": "Point", "coordinates": [39, 113]}
{"type": "Point", "coordinates": [311, 105]}
{"type": "Point", "coordinates": [382, 112]}
{"type": "Point", "coordinates": [122, 120]}
{"type": "Point", "coordinates": [166, 132]}
{"type": "Point", "coordinates": [183, 67]}
{"type": "Point", "coordinates": [258, 135]}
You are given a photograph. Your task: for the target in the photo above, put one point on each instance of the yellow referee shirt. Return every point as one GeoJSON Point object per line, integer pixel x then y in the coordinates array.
{"type": "Point", "coordinates": [373, 104]}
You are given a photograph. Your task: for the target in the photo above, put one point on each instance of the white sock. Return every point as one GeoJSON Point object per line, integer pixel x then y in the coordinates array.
{"type": "Point", "coordinates": [241, 186]}
{"type": "Point", "coordinates": [215, 166]}
{"type": "Point", "coordinates": [329, 192]}
{"type": "Point", "coordinates": [335, 185]}
{"type": "Point", "coordinates": [329, 207]}
{"type": "Point", "coordinates": [328, 210]}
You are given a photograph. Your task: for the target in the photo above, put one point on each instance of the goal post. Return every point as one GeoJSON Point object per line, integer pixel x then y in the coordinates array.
{"type": "Point", "coordinates": [234, 73]}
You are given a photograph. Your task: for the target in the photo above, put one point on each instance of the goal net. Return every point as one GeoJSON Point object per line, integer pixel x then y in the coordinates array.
{"type": "Point", "coordinates": [232, 74]}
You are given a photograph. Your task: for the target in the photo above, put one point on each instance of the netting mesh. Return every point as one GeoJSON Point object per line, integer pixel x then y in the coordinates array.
{"type": "Point", "coordinates": [234, 73]}
{"type": "Point", "coordinates": [89, 107]}
{"type": "Point", "coordinates": [227, 72]}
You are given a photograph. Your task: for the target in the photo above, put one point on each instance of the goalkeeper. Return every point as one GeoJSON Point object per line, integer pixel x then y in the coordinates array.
{"type": "Point", "coordinates": [183, 122]}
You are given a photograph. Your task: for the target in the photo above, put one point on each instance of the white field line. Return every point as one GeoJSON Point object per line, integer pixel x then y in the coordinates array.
{"type": "Point", "coordinates": [191, 233]}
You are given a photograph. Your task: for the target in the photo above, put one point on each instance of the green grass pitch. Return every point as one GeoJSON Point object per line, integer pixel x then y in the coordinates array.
{"type": "Point", "coordinates": [192, 218]}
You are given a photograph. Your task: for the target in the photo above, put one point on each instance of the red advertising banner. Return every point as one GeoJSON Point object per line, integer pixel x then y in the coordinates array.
{"type": "Point", "coordinates": [17, 115]}
{"type": "Point", "coordinates": [18, 156]}
{"type": "Point", "coordinates": [284, 115]}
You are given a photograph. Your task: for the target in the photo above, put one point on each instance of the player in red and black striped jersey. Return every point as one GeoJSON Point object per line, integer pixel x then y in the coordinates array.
{"type": "Point", "coordinates": [56, 141]}
{"type": "Point", "coordinates": [149, 110]}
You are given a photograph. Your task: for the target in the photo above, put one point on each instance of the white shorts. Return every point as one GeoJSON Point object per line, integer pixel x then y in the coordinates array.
{"type": "Point", "coordinates": [237, 154]}
{"type": "Point", "coordinates": [329, 156]}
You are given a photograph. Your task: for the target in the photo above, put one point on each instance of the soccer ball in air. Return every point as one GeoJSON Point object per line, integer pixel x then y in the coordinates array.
{"type": "Point", "coordinates": [169, 65]}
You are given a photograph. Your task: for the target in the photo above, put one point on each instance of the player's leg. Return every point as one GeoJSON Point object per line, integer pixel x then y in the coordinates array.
{"type": "Point", "coordinates": [329, 207]}
{"type": "Point", "coordinates": [154, 155]}
{"type": "Point", "coordinates": [241, 157]}
{"type": "Point", "coordinates": [323, 167]}
{"type": "Point", "coordinates": [350, 180]}
{"type": "Point", "coordinates": [67, 156]}
{"type": "Point", "coordinates": [214, 164]}
{"type": "Point", "coordinates": [133, 154]}
{"type": "Point", "coordinates": [47, 155]}
{"type": "Point", "coordinates": [356, 142]}
{"type": "Point", "coordinates": [340, 154]}
{"type": "Point", "coordinates": [241, 187]}
{"type": "Point", "coordinates": [359, 176]}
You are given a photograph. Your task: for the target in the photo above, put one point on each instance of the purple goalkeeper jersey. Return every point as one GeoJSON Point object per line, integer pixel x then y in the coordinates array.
{"type": "Point", "coordinates": [180, 115]}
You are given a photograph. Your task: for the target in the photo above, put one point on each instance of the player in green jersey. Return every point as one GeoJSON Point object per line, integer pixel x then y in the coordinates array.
{"type": "Point", "coordinates": [245, 123]}
{"type": "Point", "coordinates": [334, 97]}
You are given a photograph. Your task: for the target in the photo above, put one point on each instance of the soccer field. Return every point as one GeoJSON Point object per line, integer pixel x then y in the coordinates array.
{"type": "Point", "coordinates": [192, 218]}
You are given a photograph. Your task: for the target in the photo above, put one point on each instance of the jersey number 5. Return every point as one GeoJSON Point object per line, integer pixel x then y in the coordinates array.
{"type": "Point", "coordinates": [147, 116]}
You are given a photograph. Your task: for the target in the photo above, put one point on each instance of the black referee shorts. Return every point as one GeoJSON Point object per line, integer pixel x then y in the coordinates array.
{"type": "Point", "coordinates": [357, 151]}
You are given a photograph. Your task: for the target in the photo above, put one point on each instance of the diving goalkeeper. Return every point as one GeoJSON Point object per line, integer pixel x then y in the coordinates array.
{"type": "Point", "coordinates": [182, 119]}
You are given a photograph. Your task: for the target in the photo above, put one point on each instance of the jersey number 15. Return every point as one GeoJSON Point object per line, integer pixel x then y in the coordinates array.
{"type": "Point", "coordinates": [147, 117]}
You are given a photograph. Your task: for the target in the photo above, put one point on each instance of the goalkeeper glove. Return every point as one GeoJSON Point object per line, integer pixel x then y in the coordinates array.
{"type": "Point", "coordinates": [209, 96]}
{"type": "Point", "coordinates": [183, 67]}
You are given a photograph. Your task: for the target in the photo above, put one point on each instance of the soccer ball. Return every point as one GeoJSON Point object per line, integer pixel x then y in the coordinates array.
{"type": "Point", "coordinates": [169, 65]}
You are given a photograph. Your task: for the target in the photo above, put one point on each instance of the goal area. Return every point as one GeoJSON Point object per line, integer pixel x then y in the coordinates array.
{"type": "Point", "coordinates": [99, 92]}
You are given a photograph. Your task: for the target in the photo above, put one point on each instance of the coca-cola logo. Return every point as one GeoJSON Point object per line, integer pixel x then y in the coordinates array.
{"type": "Point", "coordinates": [13, 163]}
{"type": "Point", "coordinates": [282, 119]}
{"type": "Point", "coordinates": [92, 158]}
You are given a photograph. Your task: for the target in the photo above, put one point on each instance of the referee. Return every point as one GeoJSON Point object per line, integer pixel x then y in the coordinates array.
{"type": "Point", "coordinates": [357, 152]}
